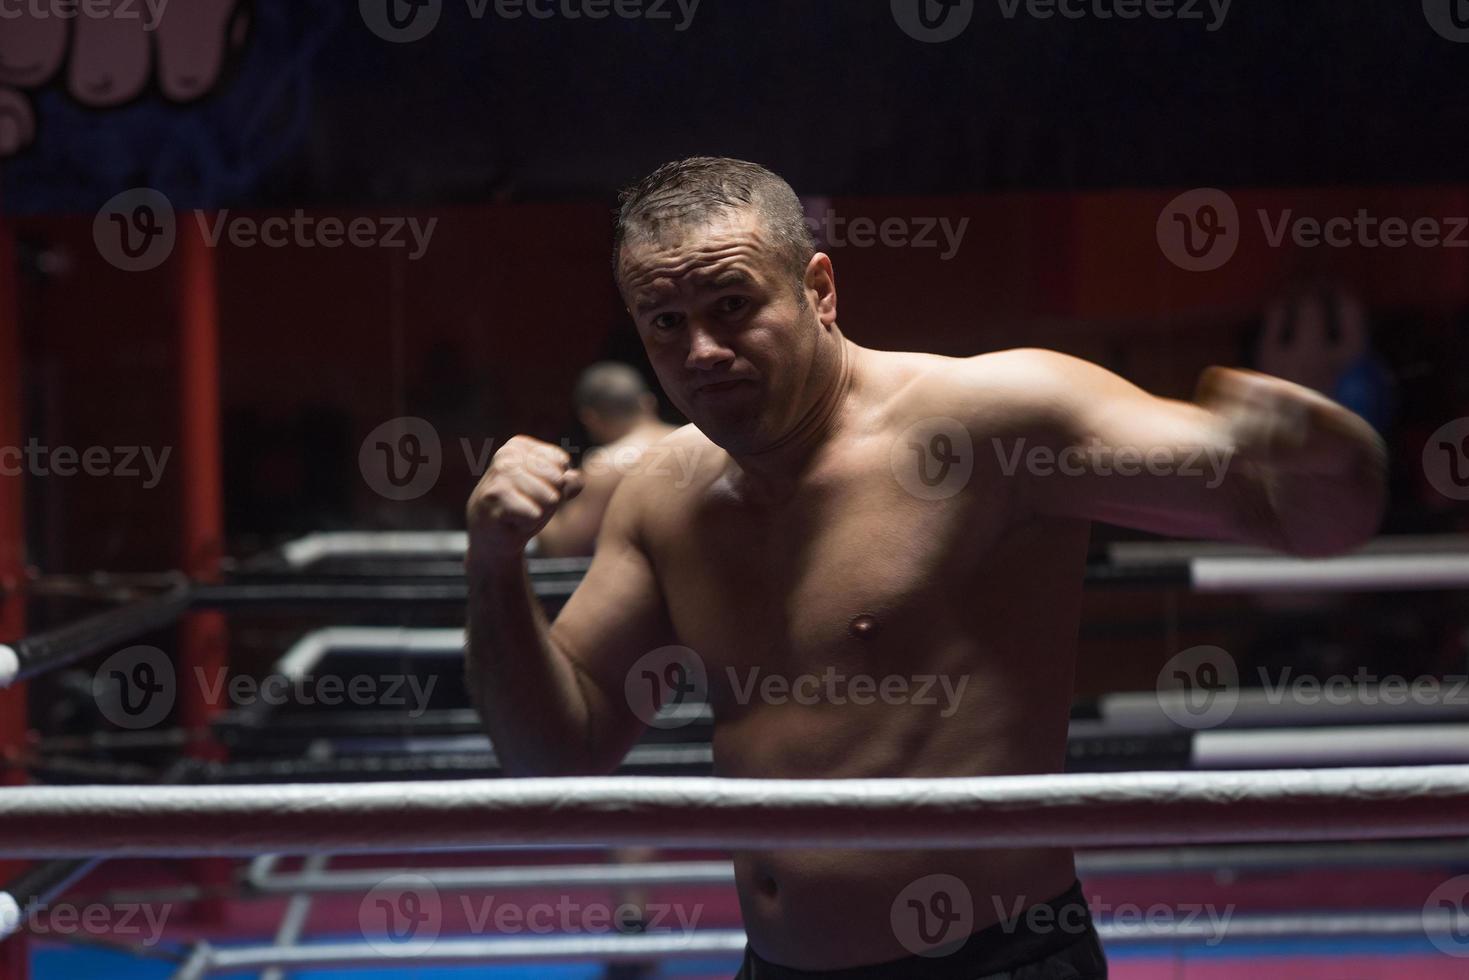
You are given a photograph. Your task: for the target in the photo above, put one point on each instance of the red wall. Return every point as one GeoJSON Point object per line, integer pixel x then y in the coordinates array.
{"type": "Point", "coordinates": [523, 295]}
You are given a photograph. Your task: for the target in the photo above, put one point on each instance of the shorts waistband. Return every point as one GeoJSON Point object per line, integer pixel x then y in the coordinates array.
{"type": "Point", "coordinates": [1040, 931]}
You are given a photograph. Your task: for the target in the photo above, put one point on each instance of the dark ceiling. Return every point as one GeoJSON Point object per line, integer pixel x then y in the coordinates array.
{"type": "Point", "coordinates": [834, 94]}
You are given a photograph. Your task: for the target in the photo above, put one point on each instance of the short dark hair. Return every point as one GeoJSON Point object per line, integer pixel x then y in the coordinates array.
{"type": "Point", "coordinates": [693, 190]}
{"type": "Point", "coordinates": [611, 389]}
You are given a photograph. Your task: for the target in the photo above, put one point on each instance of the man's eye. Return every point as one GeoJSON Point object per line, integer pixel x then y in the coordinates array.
{"type": "Point", "coordinates": [733, 304]}
{"type": "Point", "coordinates": [666, 321]}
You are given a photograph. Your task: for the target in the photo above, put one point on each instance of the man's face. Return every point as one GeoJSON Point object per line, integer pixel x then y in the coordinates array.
{"type": "Point", "coordinates": [721, 318]}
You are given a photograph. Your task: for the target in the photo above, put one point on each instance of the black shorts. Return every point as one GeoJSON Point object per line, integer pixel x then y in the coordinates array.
{"type": "Point", "coordinates": [1019, 952]}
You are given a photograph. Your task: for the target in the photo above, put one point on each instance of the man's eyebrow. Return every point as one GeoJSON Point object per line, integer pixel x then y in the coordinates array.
{"type": "Point", "coordinates": [731, 277]}
{"type": "Point", "coordinates": [651, 300]}
{"type": "Point", "coordinates": [656, 297]}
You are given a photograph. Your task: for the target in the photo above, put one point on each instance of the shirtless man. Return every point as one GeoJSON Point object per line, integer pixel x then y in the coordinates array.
{"type": "Point", "coordinates": [620, 415]}
{"type": "Point", "coordinates": [886, 514]}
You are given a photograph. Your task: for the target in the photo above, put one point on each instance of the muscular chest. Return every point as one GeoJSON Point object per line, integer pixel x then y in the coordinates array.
{"type": "Point", "coordinates": [838, 578]}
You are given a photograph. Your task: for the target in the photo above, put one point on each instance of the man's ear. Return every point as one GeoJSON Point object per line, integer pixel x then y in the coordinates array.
{"type": "Point", "coordinates": [821, 286]}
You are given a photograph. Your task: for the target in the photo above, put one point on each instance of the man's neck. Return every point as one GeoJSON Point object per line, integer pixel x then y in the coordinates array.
{"type": "Point", "coordinates": [775, 470]}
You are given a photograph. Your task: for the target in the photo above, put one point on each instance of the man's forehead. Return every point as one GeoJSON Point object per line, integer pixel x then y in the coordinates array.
{"type": "Point", "coordinates": [702, 257]}
{"type": "Point", "coordinates": [711, 236]}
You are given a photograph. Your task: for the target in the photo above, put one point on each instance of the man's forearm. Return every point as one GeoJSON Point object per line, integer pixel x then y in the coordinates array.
{"type": "Point", "coordinates": [527, 691]}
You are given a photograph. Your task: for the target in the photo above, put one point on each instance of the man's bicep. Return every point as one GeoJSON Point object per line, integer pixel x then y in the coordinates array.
{"type": "Point", "coordinates": [1103, 449]}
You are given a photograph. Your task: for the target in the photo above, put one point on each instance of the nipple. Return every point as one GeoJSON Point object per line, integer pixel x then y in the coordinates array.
{"type": "Point", "coordinates": [863, 626]}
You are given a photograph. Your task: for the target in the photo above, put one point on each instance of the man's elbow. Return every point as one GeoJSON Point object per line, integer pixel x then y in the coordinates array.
{"type": "Point", "coordinates": [529, 755]}
{"type": "Point", "coordinates": [547, 761]}
{"type": "Point", "coordinates": [545, 754]}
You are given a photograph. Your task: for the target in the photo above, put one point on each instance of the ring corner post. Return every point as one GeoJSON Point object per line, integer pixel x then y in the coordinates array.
{"type": "Point", "coordinates": [203, 639]}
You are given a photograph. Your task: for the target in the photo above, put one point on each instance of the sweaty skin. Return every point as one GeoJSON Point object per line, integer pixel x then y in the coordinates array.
{"type": "Point", "coordinates": [801, 549]}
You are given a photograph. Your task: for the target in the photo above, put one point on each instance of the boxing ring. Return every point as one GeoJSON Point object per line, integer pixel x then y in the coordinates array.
{"type": "Point", "coordinates": [1089, 811]}
{"type": "Point", "coordinates": [1274, 795]}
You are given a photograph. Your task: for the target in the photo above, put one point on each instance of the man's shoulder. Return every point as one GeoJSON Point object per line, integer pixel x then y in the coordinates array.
{"type": "Point", "coordinates": [656, 493]}
{"type": "Point", "coordinates": [1004, 382]}
{"type": "Point", "coordinates": [673, 463]}
{"type": "Point", "coordinates": [1018, 367]}
{"type": "Point", "coordinates": [687, 437]}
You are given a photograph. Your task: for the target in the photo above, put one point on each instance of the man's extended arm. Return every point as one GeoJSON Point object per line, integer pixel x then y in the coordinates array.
{"type": "Point", "coordinates": [1253, 458]}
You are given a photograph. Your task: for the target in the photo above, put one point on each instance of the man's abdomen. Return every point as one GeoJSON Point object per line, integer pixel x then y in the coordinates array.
{"type": "Point", "coordinates": [824, 910]}
{"type": "Point", "coordinates": [833, 909]}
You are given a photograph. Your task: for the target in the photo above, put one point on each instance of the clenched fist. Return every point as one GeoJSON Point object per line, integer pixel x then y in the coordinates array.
{"type": "Point", "coordinates": [1323, 470]}
{"type": "Point", "coordinates": [1288, 426]}
{"type": "Point", "coordinates": [520, 492]}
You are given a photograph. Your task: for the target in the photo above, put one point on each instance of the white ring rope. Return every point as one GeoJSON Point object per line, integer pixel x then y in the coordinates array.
{"type": "Point", "coordinates": [1165, 551]}
{"type": "Point", "coordinates": [357, 544]}
{"type": "Point", "coordinates": [1085, 810]}
{"type": "Point", "coordinates": [1352, 573]}
{"type": "Point", "coordinates": [1359, 745]}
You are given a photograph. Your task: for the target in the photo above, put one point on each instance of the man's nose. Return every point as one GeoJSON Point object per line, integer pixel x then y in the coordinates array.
{"type": "Point", "coordinates": [706, 350]}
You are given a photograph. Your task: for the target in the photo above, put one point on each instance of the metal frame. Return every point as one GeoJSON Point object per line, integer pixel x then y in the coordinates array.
{"type": "Point", "coordinates": [713, 942]}
{"type": "Point", "coordinates": [264, 879]}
